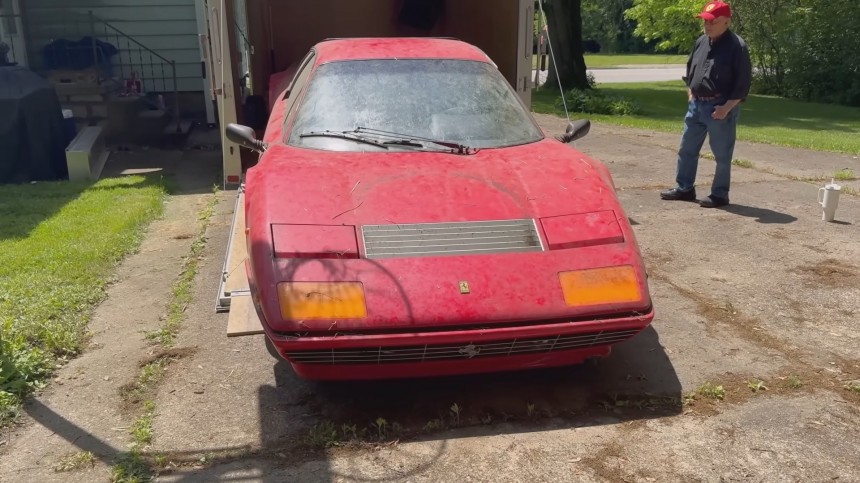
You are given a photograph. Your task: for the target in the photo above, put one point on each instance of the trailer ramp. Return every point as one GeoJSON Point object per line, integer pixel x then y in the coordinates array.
{"type": "Point", "coordinates": [234, 294]}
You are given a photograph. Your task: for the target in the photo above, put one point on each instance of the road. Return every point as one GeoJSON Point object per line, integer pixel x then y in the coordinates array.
{"type": "Point", "coordinates": [631, 74]}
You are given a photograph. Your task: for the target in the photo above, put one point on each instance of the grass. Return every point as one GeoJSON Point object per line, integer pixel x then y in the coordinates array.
{"type": "Point", "coordinates": [764, 119]}
{"type": "Point", "coordinates": [711, 391]}
{"type": "Point", "coordinates": [794, 382]}
{"type": "Point", "coordinates": [845, 174]}
{"type": "Point", "coordinates": [131, 468]}
{"type": "Point", "coordinates": [141, 430]}
{"type": "Point", "coordinates": [76, 461]}
{"type": "Point", "coordinates": [59, 245]}
{"type": "Point", "coordinates": [743, 163]}
{"type": "Point", "coordinates": [853, 386]}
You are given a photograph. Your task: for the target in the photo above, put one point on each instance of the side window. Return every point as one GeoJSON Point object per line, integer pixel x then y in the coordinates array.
{"type": "Point", "coordinates": [298, 84]}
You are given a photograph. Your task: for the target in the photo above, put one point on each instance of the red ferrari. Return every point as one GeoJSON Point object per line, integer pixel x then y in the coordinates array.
{"type": "Point", "coordinates": [407, 217]}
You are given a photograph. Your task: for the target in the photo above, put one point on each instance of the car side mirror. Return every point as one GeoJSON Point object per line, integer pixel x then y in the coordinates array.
{"type": "Point", "coordinates": [575, 130]}
{"type": "Point", "coordinates": [245, 136]}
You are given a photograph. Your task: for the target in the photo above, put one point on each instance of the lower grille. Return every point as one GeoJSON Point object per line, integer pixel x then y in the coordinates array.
{"type": "Point", "coordinates": [427, 353]}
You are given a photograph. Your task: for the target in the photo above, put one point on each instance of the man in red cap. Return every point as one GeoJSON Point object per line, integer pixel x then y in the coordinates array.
{"type": "Point", "coordinates": [719, 73]}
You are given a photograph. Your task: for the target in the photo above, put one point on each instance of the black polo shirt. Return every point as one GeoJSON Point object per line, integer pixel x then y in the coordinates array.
{"type": "Point", "coordinates": [721, 68]}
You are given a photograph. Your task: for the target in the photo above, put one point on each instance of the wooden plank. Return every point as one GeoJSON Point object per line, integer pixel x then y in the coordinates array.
{"type": "Point", "coordinates": [237, 279]}
{"type": "Point", "coordinates": [243, 319]}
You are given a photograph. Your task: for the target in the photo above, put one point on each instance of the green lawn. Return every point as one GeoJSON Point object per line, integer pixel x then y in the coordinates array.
{"type": "Point", "coordinates": [607, 61]}
{"type": "Point", "coordinates": [765, 119]}
{"type": "Point", "coordinates": [59, 245]}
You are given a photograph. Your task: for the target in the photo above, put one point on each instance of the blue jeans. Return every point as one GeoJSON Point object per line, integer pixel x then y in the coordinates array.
{"type": "Point", "coordinates": [698, 123]}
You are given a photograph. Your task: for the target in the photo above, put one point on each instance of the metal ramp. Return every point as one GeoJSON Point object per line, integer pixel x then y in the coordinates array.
{"type": "Point", "coordinates": [234, 294]}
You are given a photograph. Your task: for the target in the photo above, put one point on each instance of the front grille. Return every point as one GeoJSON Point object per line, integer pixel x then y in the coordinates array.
{"type": "Point", "coordinates": [427, 353]}
{"type": "Point", "coordinates": [438, 239]}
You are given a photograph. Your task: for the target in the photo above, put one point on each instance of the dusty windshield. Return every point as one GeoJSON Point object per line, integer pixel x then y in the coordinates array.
{"type": "Point", "coordinates": [455, 101]}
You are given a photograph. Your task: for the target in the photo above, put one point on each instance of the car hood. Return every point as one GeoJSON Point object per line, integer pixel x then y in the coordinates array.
{"type": "Point", "coordinates": [547, 178]}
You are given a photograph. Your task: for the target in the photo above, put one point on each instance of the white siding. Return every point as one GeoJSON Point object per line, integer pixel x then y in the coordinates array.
{"type": "Point", "coordinates": [168, 27]}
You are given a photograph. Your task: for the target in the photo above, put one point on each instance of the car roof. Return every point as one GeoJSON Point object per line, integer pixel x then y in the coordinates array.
{"type": "Point", "coordinates": [397, 48]}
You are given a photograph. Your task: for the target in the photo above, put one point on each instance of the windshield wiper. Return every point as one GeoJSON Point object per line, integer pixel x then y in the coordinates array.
{"type": "Point", "coordinates": [410, 140]}
{"type": "Point", "coordinates": [351, 135]}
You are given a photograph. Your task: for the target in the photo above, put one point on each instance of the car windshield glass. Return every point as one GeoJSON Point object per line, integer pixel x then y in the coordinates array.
{"type": "Point", "coordinates": [455, 101]}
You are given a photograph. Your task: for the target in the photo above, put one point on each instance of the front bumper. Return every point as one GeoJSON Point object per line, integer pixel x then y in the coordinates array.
{"type": "Point", "coordinates": [451, 352]}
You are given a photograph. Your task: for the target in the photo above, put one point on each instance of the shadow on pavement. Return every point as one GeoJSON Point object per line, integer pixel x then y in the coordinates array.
{"type": "Point", "coordinates": [762, 215]}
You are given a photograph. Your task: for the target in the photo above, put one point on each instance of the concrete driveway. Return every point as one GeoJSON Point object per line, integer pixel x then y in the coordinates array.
{"type": "Point", "coordinates": [742, 377]}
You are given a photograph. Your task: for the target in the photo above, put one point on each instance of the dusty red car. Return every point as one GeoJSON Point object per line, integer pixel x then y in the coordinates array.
{"type": "Point", "coordinates": [408, 217]}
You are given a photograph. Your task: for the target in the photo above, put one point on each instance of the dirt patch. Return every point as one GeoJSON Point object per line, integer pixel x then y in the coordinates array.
{"type": "Point", "coordinates": [830, 273]}
{"type": "Point", "coordinates": [173, 354]}
{"type": "Point", "coordinates": [606, 463]}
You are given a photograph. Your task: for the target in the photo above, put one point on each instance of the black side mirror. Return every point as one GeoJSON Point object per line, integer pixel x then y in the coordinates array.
{"type": "Point", "coordinates": [245, 136]}
{"type": "Point", "coordinates": [575, 130]}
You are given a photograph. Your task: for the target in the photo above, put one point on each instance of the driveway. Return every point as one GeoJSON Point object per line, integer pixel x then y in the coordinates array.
{"type": "Point", "coordinates": [756, 303]}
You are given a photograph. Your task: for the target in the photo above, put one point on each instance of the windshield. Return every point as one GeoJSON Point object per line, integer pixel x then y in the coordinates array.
{"type": "Point", "coordinates": [454, 101]}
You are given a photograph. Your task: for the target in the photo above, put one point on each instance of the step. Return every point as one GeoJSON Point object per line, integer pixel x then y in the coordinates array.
{"type": "Point", "coordinates": [173, 137]}
{"type": "Point", "coordinates": [149, 126]}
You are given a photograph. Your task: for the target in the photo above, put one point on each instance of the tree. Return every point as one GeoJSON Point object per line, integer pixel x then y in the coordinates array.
{"type": "Point", "coordinates": [802, 49]}
{"type": "Point", "coordinates": [564, 23]}
{"type": "Point", "coordinates": [672, 23]}
{"type": "Point", "coordinates": [605, 22]}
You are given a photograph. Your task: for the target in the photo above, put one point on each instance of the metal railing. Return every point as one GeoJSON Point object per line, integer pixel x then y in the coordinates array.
{"type": "Point", "coordinates": [136, 62]}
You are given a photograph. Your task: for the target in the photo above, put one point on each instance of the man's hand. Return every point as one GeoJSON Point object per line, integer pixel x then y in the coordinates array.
{"type": "Point", "coordinates": [720, 112]}
{"type": "Point", "coordinates": [689, 95]}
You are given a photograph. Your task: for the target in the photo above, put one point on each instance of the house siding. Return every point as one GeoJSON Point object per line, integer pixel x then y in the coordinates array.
{"type": "Point", "coordinates": [168, 27]}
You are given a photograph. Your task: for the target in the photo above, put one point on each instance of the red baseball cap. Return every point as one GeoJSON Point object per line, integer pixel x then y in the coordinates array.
{"type": "Point", "coordinates": [715, 9]}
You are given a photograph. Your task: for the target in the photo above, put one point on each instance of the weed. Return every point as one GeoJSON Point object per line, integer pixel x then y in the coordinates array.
{"type": "Point", "coordinates": [844, 174]}
{"type": "Point", "coordinates": [756, 386]}
{"type": "Point", "coordinates": [434, 425]}
{"type": "Point", "coordinates": [148, 377]}
{"type": "Point", "coordinates": [381, 426]}
{"type": "Point", "coordinates": [689, 398]}
{"type": "Point", "coordinates": [322, 435]}
{"type": "Point", "coordinates": [130, 468]}
{"type": "Point", "coordinates": [455, 413]}
{"type": "Point", "coordinates": [76, 461]}
{"type": "Point", "coordinates": [853, 386]}
{"type": "Point", "coordinates": [349, 431]}
{"type": "Point", "coordinates": [160, 461]}
{"type": "Point", "coordinates": [530, 410]}
{"type": "Point", "coordinates": [487, 419]}
{"type": "Point", "coordinates": [711, 391]}
{"type": "Point", "coordinates": [850, 191]}
{"type": "Point", "coordinates": [743, 163]}
{"type": "Point", "coordinates": [141, 430]}
{"type": "Point", "coordinates": [794, 382]}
